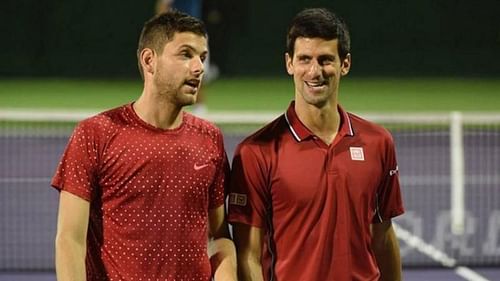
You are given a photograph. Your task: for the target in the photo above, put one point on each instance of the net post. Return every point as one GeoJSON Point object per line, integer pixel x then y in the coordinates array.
{"type": "Point", "coordinates": [457, 174]}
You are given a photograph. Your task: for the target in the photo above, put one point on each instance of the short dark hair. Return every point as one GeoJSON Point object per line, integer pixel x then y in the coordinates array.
{"type": "Point", "coordinates": [161, 29]}
{"type": "Point", "coordinates": [319, 23]}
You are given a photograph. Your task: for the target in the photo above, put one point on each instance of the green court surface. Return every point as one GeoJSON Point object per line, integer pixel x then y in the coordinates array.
{"type": "Point", "coordinates": [259, 94]}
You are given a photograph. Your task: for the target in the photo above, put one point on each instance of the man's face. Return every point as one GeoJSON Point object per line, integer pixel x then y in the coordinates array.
{"type": "Point", "coordinates": [179, 68]}
{"type": "Point", "coordinates": [316, 69]}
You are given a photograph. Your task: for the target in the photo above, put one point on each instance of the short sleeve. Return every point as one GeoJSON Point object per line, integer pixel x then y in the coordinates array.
{"type": "Point", "coordinates": [219, 185]}
{"type": "Point", "coordinates": [389, 200]}
{"type": "Point", "coordinates": [249, 195]}
{"type": "Point", "coordinates": [76, 172]}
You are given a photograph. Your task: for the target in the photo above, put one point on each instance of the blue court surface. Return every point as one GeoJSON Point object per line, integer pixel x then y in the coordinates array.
{"type": "Point", "coordinates": [29, 205]}
{"type": "Point", "coordinates": [409, 274]}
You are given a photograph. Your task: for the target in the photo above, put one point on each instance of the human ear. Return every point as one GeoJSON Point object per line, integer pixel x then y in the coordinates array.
{"type": "Point", "coordinates": [288, 63]}
{"type": "Point", "coordinates": [147, 58]}
{"type": "Point", "coordinates": [346, 65]}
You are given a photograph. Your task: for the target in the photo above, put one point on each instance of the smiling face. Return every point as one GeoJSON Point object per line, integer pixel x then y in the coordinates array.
{"type": "Point", "coordinates": [316, 68]}
{"type": "Point", "coordinates": [177, 71]}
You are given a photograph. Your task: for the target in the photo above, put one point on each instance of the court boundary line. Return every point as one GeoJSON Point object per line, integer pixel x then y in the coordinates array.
{"type": "Point", "coordinates": [252, 117]}
{"type": "Point", "coordinates": [418, 181]}
{"type": "Point", "coordinates": [437, 255]}
{"type": "Point", "coordinates": [25, 179]}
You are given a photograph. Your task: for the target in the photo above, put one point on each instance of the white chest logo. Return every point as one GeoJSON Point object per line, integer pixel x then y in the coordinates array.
{"type": "Point", "coordinates": [199, 167]}
{"type": "Point", "coordinates": [357, 153]}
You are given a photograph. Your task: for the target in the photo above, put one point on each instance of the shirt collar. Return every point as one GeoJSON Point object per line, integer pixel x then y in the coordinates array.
{"type": "Point", "coordinates": [300, 132]}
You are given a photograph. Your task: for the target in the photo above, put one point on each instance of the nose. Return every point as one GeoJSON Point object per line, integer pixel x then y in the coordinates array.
{"type": "Point", "coordinates": [197, 66]}
{"type": "Point", "coordinates": [315, 69]}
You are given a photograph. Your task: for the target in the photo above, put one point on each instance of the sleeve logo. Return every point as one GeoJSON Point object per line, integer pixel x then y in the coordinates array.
{"type": "Point", "coordinates": [393, 172]}
{"type": "Point", "coordinates": [238, 199]}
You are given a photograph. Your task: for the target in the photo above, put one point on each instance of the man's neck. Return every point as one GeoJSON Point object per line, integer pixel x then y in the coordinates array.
{"type": "Point", "coordinates": [158, 112]}
{"type": "Point", "coordinates": [324, 122]}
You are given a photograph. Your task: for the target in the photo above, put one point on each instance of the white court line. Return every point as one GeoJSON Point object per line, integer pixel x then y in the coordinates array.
{"type": "Point", "coordinates": [469, 274]}
{"type": "Point", "coordinates": [437, 255]}
{"type": "Point", "coordinates": [252, 117]}
{"type": "Point", "coordinates": [407, 180]}
{"type": "Point", "coordinates": [25, 180]}
{"type": "Point", "coordinates": [423, 180]}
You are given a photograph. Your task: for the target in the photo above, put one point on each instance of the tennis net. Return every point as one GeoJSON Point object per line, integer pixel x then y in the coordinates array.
{"type": "Point", "coordinates": [449, 165]}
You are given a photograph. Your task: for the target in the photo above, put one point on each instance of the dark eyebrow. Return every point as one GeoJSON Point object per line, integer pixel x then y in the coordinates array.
{"type": "Point", "coordinates": [303, 56]}
{"type": "Point", "coordinates": [326, 57]}
{"type": "Point", "coordinates": [187, 46]}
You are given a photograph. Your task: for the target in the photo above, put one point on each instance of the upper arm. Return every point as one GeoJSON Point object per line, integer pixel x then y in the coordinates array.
{"type": "Point", "coordinates": [249, 196]}
{"type": "Point", "coordinates": [382, 231]}
{"type": "Point", "coordinates": [220, 247]}
{"type": "Point", "coordinates": [77, 169]}
{"type": "Point", "coordinates": [389, 198]}
{"type": "Point", "coordinates": [217, 225]}
{"type": "Point", "coordinates": [248, 240]}
{"type": "Point", "coordinates": [386, 249]}
{"type": "Point", "coordinates": [73, 217]}
{"type": "Point", "coordinates": [384, 241]}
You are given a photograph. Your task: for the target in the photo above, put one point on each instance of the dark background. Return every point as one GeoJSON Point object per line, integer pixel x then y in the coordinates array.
{"type": "Point", "coordinates": [82, 38]}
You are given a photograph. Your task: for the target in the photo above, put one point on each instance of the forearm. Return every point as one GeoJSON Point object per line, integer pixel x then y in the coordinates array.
{"type": "Point", "coordinates": [70, 260]}
{"type": "Point", "coordinates": [386, 250]}
{"type": "Point", "coordinates": [249, 241]}
{"type": "Point", "coordinates": [223, 259]}
{"type": "Point", "coordinates": [249, 269]}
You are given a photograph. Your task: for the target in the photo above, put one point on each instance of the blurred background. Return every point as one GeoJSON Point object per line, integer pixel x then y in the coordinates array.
{"type": "Point", "coordinates": [98, 39]}
{"type": "Point", "coordinates": [427, 70]}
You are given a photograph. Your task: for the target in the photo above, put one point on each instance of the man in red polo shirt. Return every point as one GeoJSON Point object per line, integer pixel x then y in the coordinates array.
{"type": "Point", "coordinates": [142, 185]}
{"type": "Point", "coordinates": [313, 193]}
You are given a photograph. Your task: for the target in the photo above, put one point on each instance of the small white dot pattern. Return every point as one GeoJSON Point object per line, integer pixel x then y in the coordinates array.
{"type": "Point", "coordinates": [150, 191]}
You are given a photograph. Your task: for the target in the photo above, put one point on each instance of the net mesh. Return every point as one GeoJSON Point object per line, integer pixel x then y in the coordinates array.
{"type": "Point", "coordinates": [32, 143]}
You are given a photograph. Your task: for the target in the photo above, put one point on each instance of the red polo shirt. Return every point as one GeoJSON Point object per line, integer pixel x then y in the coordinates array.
{"type": "Point", "coordinates": [315, 202]}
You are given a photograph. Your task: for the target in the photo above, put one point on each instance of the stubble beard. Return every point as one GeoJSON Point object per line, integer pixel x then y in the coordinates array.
{"type": "Point", "coordinates": [183, 99]}
{"type": "Point", "coordinates": [317, 100]}
{"type": "Point", "coordinates": [176, 94]}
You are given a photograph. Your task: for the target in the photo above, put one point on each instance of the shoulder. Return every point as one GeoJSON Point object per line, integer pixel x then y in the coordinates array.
{"type": "Point", "coordinates": [202, 129]}
{"type": "Point", "coordinates": [369, 130]}
{"type": "Point", "coordinates": [105, 122]}
{"type": "Point", "coordinates": [266, 137]}
{"type": "Point", "coordinates": [201, 125]}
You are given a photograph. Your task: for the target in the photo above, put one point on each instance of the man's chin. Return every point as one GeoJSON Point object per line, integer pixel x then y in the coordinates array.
{"type": "Point", "coordinates": [315, 99]}
{"type": "Point", "coordinates": [187, 100]}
